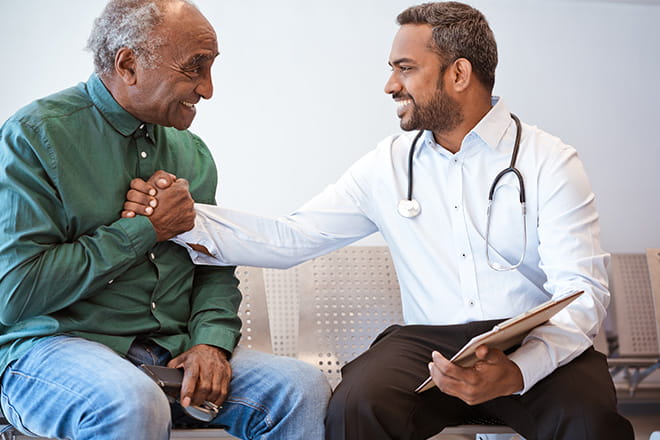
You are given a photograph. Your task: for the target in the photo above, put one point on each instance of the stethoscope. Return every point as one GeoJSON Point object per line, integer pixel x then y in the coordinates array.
{"type": "Point", "coordinates": [409, 207]}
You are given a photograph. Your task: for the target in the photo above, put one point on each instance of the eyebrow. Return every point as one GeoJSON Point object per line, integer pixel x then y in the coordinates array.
{"type": "Point", "coordinates": [401, 61]}
{"type": "Point", "coordinates": [196, 59]}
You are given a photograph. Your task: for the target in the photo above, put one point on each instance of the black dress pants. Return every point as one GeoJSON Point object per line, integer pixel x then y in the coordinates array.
{"type": "Point", "coordinates": [376, 401]}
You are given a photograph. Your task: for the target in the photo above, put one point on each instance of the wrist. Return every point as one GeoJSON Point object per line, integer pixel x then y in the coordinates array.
{"type": "Point", "coordinates": [224, 353]}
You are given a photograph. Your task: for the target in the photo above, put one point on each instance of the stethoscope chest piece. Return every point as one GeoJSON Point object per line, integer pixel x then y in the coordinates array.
{"type": "Point", "coordinates": [409, 208]}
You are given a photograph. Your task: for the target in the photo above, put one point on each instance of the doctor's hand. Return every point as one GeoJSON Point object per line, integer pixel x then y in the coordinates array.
{"type": "Point", "coordinates": [206, 375]}
{"type": "Point", "coordinates": [492, 376]}
{"type": "Point", "coordinates": [167, 202]}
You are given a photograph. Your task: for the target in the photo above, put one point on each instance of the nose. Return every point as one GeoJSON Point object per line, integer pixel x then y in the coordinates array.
{"type": "Point", "coordinates": [392, 85]}
{"type": "Point", "coordinates": [205, 86]}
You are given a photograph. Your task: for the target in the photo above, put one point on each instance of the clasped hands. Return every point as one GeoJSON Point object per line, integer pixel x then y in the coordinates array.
{"type": "Point", "coordinates": [167, 202]}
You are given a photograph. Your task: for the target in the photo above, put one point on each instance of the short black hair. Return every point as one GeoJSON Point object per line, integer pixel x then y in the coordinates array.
{"type": "Point", "coordinates": [459, 31]}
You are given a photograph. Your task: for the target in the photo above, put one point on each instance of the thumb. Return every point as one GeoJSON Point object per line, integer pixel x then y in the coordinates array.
{"type": "Point", "coordinates": [162, 179]}
{"type": "Point", "coordinates": [482, 352]}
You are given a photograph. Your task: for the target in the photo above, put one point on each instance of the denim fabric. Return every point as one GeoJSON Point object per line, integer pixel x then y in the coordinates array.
{"type": "Point", "coordinates": [72, 388]}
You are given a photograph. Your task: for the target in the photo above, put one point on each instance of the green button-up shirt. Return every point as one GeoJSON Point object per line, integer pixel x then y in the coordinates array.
{"type": "Point", "coordinates": [68, 263]}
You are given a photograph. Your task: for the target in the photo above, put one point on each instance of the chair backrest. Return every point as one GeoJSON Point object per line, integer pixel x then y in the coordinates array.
{"type": "Point", "coordinates": [653, 262]}
{"type": "Point", "coordinates": [282, 294]}
{"type": "Point", "coordinates": [634, 306]}
{"type": "Point", "coordinates": [346, 299]}
{"type": "Point", "coordinates": [253, 310]}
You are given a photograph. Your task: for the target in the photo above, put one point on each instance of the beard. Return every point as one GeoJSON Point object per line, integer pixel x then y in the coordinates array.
{"type": "Point", "coordinates": [441, 114]}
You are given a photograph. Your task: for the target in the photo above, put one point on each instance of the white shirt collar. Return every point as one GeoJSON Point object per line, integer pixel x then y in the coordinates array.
{"type": "Point", "coordinates": [489, 130]}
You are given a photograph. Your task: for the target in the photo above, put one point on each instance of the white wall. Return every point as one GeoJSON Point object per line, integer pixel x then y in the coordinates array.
{"type": "Point", "coordinates": [299, 90]}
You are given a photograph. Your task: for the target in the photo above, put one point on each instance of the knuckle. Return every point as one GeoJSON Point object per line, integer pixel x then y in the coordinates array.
{"type": "Point", "coordinates": [204, 389]}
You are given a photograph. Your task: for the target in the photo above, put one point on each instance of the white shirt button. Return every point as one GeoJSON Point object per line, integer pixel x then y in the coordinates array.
{"type": "Point", "coordinates": [143, 154]}
{"type": "Point", "coordinates": [153, 257]}
{"type": "Point", "coordinates": [153, 305]}
{"type": "Point", "coordinates": [111, 281]}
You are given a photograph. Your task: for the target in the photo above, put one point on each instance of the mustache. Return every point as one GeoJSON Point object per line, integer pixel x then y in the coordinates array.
{"type": "Point", "coordinates": [402, 96]}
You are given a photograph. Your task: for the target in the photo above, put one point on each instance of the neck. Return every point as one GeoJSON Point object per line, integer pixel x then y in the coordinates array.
{"type": "Point", "coordinates": [452, 139]}
{"type": "Point", "coordinates": [119, 92]}
{"type": "Point", "coordinates": [110, 82]}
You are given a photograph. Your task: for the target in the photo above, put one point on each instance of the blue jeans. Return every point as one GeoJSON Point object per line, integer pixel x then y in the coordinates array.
{"type": "Point", "coordinates": [72, 388]}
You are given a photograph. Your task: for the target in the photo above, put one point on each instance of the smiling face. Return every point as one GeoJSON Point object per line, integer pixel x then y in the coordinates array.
{"type": "Point", "coordinates": [167, 93]}
{"type": "Point", "coordinates": [417, 82]}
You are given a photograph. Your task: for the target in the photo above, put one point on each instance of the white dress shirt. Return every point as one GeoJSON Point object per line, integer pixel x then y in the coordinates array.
{"type": "Point", "coordinates": [440, 255]}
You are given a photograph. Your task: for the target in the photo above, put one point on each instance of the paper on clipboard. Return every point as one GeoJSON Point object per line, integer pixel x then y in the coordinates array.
{"type": "Point", "coordinates": [506, 334]}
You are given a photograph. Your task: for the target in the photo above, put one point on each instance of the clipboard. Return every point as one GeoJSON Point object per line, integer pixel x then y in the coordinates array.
{"type": "Point", "coordinates": [506, 334]}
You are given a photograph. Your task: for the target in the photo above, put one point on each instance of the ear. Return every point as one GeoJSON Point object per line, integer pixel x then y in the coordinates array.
{"type": "Point", "coordinates": [125, 65]}
{"type": "Point", "coordinates": [460, 74]}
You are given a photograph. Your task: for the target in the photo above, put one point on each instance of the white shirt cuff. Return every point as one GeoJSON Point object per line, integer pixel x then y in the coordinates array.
{"type": "Point", "coordinates": [534, 362]}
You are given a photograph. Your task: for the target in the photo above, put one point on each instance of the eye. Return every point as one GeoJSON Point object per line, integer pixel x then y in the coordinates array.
{"type": "Point", "coordinates": [192, 70]}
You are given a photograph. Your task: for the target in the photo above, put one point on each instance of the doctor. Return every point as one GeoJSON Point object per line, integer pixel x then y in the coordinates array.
{"type": "Point", "coordinates": [554, 386]}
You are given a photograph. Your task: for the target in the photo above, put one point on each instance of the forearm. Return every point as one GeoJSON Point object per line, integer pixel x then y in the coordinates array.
{"type": "Point", "coordinates": [39, 279]}
{"type": "Point", "coordinates": [238, 238]}
{"type": "Point", "coordinates": [215, 301]}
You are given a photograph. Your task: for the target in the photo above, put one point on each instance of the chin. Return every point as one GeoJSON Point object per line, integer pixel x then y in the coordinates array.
{"type": "Point", "coordinates": [407, 126]}
{"type": "Point", "coordinates": [183, 125]}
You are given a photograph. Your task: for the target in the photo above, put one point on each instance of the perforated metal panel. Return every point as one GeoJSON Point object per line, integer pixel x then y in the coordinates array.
{"type": "Point", "coordinates": [282, 293]}
{"type": "Point", "coordinates": [253, 310]}
{"type": "Point", "coordinates": [653, 262]}
{"type": "Point", "coordinates": [347, 298]}
{"type": "Point", "coordinates": [633, 306]}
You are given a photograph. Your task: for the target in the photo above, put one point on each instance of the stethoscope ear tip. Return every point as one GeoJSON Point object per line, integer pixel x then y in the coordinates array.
{"type": "Point", "coordinates": [409, 208]}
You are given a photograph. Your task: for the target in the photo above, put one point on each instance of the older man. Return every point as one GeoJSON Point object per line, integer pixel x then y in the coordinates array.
{"type": "Point", "coordinates": [461, 271]}
{"type": "Point", "coordinates": [86, 295]}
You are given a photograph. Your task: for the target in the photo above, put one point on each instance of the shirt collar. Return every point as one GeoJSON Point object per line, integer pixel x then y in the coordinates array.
{"type": "Point", "coordinates": [115, 114]}
{"type": "Point", "coordinates": [489, 130]}
{"type": "Point", "coordinates": [492, 127]}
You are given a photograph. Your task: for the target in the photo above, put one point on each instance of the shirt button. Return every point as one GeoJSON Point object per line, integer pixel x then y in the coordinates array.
{"type": "Point", "coordinates": [153, 306]}
{"type": "Point", "coordinates": [111, 281]}
{"type": "Point", "coordinates": [471, 302]}
{"type": "Point", "coordinates": [143, 154]}
{"type": "Point", "coordinates": [141, 126]}
{"type": "Point", "coordinates": [463, 255]}
{"type": "Point", "coordinates": [153, 257]}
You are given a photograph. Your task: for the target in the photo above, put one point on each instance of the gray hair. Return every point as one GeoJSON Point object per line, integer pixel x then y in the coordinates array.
{"type": "Point", "coordinates": [127, 23]}
{"type": "Point", "coordinates": [459, 31]}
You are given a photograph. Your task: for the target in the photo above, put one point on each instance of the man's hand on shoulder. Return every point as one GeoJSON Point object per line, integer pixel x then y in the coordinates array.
{"type": "Point", "coordinates": [167, 202]}
{"type": "Point", "coordinates": [492, 376]}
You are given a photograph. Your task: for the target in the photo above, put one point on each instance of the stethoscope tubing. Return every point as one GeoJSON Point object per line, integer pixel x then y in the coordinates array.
{"type": "Point", "coordinates": [413, 207]}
